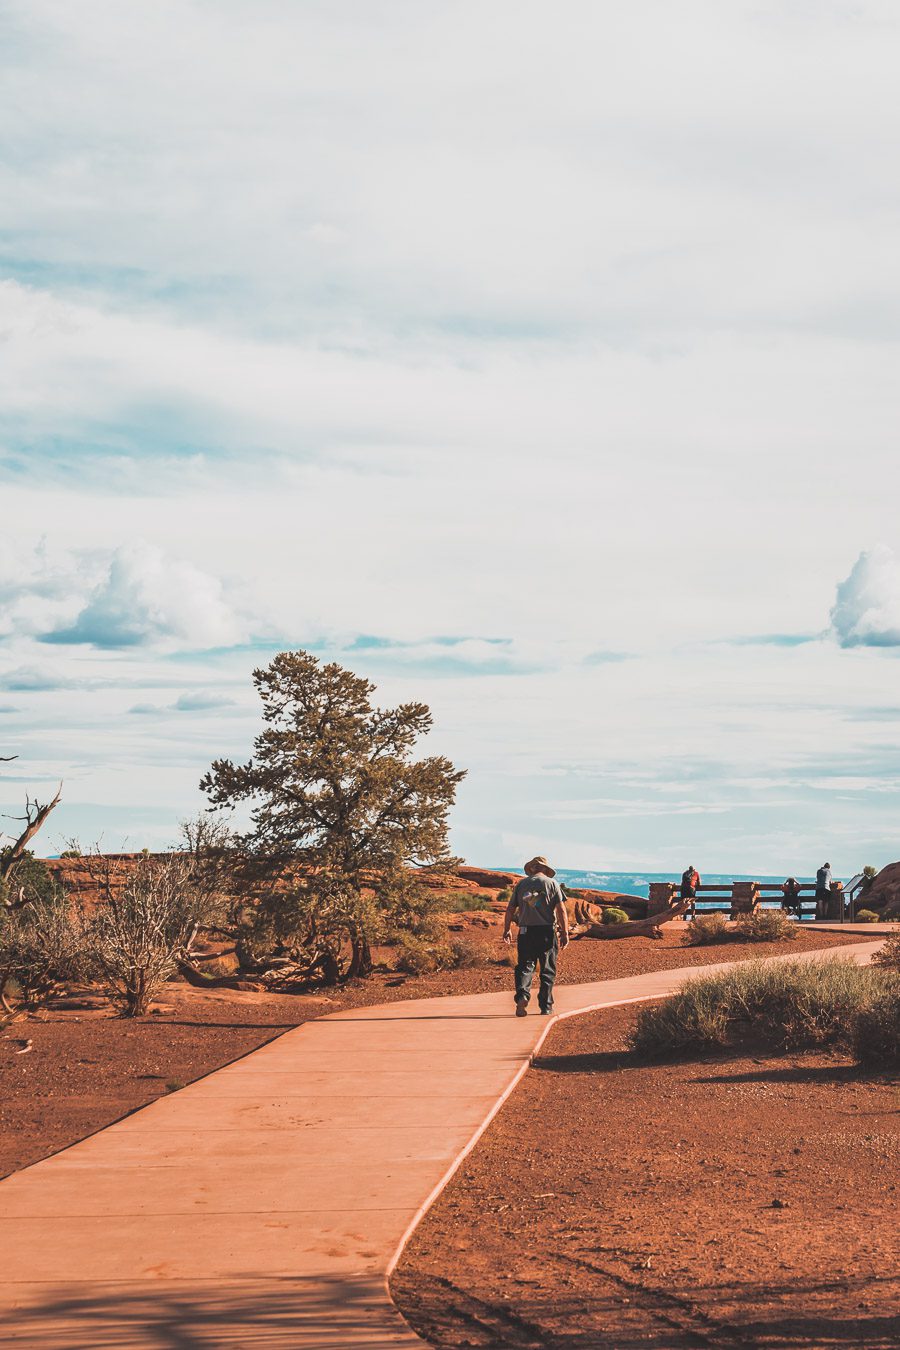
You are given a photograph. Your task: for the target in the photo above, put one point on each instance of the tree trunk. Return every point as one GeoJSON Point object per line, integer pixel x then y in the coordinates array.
{"type": "Point", "coordinates": [360, 958]}
{"type": "Point", "coordinates": [200, 981]}
{"type": "Point", "coordinates": [586, 925]}
{"type": "Point", "coordinates": [331, 969]}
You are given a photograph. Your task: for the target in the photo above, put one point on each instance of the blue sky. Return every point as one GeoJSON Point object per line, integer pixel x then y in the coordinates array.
{"type": "Point", "coordinates": [539, 365]}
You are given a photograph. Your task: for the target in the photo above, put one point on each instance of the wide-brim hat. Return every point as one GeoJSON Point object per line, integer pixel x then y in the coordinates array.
{"type": "Point", "coordinates": [538, 865]}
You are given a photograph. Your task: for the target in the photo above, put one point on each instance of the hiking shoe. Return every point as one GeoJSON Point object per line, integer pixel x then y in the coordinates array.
{"type": "Point", "coordinates": [521, 1008]}
{"type": "Point", "coordinates": [545, 1012]}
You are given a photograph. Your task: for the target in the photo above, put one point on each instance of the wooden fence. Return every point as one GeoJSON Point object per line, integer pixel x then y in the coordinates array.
{"type": "Point", "coordinates": [745, 897]}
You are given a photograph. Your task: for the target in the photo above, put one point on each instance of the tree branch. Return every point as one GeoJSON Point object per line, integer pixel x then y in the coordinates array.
{"type": "Point", "coordinates": [34, 817]}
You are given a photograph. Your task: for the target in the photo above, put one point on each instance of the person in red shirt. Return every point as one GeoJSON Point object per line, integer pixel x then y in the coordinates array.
{"type": "Point", "coordinates": [690, 880]}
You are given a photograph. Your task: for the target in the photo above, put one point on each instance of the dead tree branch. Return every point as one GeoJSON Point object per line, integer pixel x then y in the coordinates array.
{"type": "Point", "coordinates": [34, 817]}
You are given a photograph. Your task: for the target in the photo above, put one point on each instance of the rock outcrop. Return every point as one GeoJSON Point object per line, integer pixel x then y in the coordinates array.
{"type": "Point", "coordinates": [884, 893]}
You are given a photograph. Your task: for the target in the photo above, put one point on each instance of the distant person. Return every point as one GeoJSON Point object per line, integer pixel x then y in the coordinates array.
{"type": "Point", "coordinates": [536, 905]}
{"type": "Point", "coordinates": [823, 891]}
{"type": "Point", "coordinates": [690, 880]}
{"type": "Point", "coordinates": [791, 901]}
{"type": "Point", "coordinates": [836, 902]}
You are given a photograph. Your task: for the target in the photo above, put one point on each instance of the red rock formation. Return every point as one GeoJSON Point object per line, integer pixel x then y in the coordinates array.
{"type": "Point", "coordinates": [884, 893]}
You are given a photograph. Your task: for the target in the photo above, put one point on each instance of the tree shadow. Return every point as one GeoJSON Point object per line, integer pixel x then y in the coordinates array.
{"type": "Point", "coordinates": [267, 1313]}
{"type": "Point", "coordinates": [795, 1073]}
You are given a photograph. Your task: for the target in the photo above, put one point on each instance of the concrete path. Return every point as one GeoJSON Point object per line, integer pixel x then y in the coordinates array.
{"type": "Point", "coordinates": [265, 1205]}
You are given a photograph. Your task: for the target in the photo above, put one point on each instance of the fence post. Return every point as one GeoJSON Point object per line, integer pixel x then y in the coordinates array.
{"type": "Point", "coordinates": [661, 896]}
{"type": "Point", "coordinates": [744, 897]}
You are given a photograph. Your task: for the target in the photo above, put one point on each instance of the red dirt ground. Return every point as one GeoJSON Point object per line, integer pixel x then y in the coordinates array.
{"type": "Point", "coordinates": [85, 1070]}
{"type": "Point", "coordinates": [737, 1201]}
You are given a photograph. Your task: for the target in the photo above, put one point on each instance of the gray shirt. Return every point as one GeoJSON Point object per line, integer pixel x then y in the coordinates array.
{"type": "Point", "coordinates": [535, 900]}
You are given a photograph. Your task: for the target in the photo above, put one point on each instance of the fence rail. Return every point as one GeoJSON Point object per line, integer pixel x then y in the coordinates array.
{"type": "Point", "coordinates": [746, 897]}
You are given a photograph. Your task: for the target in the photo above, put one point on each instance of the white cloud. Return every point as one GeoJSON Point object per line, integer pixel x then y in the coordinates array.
{"type": "Point", "coordinates": [201, 700]}
{"type": "Point", "coordinates": [148, 598]}
{"type": "Point", "coordinates": [867, 610]}
{"type": "Point", "coordinates": [36, 679]}
{"type": "Point", "coordinates": [38, 585]}
{"type": "Point", "coordinates": [571, 326]}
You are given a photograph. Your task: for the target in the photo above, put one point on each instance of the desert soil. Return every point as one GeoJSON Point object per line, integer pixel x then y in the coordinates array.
{"type": "Point", "coordinates": [742, 1200]}
{"type": "Point", "coordinates": [82, 1070]}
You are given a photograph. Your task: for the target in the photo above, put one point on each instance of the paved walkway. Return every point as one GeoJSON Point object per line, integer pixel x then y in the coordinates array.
{"type": "Point", "coordinates": [263, 1206]}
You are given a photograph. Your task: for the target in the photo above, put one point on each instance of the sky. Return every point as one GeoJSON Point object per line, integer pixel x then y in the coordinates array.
{"type": "Point", "coordinates": [538, 362]}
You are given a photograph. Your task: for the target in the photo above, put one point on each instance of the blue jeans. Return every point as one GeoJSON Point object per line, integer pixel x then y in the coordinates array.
{"type": "Point", "coordinates": [535, 946]}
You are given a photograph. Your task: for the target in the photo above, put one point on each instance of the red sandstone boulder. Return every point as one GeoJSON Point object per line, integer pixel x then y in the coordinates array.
{"type": "Point", "coordinates": [884, 893]}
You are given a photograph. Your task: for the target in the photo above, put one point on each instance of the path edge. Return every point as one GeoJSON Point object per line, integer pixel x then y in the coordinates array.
{"type": "Point", "coordinates": [498, 1106]}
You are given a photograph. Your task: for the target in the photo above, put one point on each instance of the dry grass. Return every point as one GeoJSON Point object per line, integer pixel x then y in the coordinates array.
{"type": "Point", "coordinates": [766, 925]}
{"type": "Point", "coordinates": [780, 1005]}
{"type": "Point", "coordinates": [876, 1027]}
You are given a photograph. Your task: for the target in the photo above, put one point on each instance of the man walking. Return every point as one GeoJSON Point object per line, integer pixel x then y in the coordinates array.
{"type": "Point", "coordinates": [537, 904]}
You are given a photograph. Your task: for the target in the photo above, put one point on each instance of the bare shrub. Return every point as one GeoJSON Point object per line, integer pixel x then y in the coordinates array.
{"type": "Point", "coordinates": [706, 930]}
{"type": "Point", "coordinates": [42, 949]}
{"type": "Point", "coordinates": [139, 936]}
{"type": "Point", "coordinates": [468, 954]}
{"type": "Point", "coordinates": [889, 954]}
{"type": "Point", "coordinates": [766, 925]}
{"type": "Point", "coordinates": [420, 956]}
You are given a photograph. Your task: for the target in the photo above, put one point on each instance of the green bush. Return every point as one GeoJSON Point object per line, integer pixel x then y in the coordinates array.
{"type": "Point", "coordinates": [876, 1027]}
{"type": "Point", "coordinates": [28, 879]}
{"type": "Point", "coordinates": [706, 930]}
{"type": "Point", "coordinates": [766, 925]}
{"type": "Point", "coordinates": [867, 916]}
{"type": "Point", "coordinates": [462, 902]}
{"type": "Point", "coordinates": [613, 914]}
{"type": "Point", "coordinates": [782, 1005]}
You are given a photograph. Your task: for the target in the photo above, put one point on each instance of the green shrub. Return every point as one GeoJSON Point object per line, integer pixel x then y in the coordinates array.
{"type": "Point", "coordinates": [782, 1005]}
{"type": "Point", "coordinates": [29, 879]}
{"type": "Point", "coordinates": [867, 916]}
{"type": "Point", "coordinates": [889, 954]}
{"type": "Point", "coordinates": [766, 925]}
{"type": "Point", "coordinates": [462, 902]}
{"type": "Point", "coordinates": [876, 1027]}
{"type": "Point", "coordinates": [706, 930]}
{"type": "Point", "coordinates": [613, 914]}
